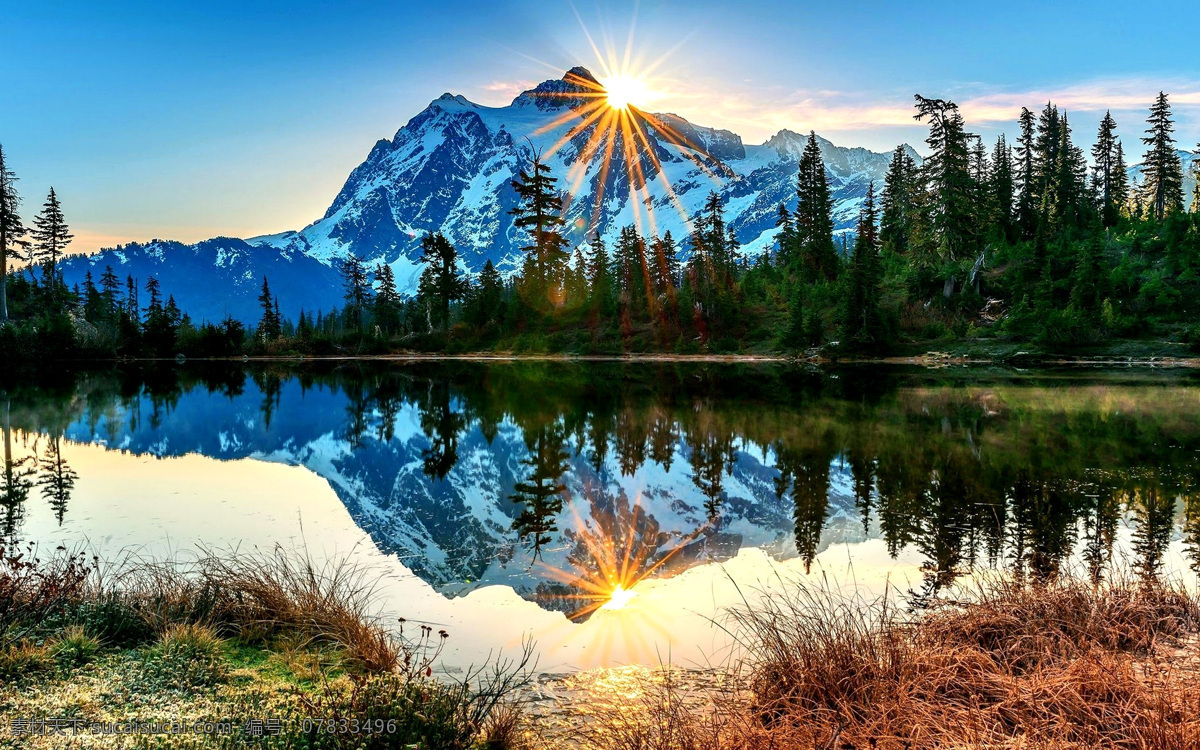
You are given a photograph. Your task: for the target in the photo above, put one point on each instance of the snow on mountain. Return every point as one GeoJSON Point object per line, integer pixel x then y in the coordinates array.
{"type": "Point", "coordinates": [450, 169]}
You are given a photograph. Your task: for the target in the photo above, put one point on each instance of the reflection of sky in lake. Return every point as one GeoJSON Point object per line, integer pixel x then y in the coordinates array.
{"type": "Point", "coordinates": [691, 505]}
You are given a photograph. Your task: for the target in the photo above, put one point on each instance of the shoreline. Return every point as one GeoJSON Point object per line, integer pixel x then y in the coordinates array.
{"type": "Point", "coordinates": [932, 359]}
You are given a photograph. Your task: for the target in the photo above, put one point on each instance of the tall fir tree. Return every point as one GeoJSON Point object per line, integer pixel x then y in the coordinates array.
{"type": "Point", "coordinates": [1162, 169]}
{"type": "Point", "coordinates": [812, 219]}
{"type": "Point", "coordinates": [269, 326]}
{"type": "Point", "coordinates": [12, 230]}
{"type": "Point", "coordinates": [1001, 190]}
{"type": "Point", "coordinates": [50, 235]}
{"type": "Point", "coordinates": [1104, 174]}
{"type": "Point", "coordinates": [540, 215]}
{"type": "Point", "coordinates": [441, 282]}
{"type": "Point", "coordinates": [861, 321]}
{"type": "Point", "coordinates": [387, 299]}
{"type": "Point", "coordinates": [1026, 209]}
{"type": "Point", "coordinates": [897, 202]}
{"type": "Point", "coordinates": [356, 288]}
{"type": "Point", "coordinates": [951, 224]}
{"type": "Point", "coordinates": [600, 278]}
{"type": "Point", "coordinates": [1120, 181]}
{"type": "Point", "coordinates": [488, 296]}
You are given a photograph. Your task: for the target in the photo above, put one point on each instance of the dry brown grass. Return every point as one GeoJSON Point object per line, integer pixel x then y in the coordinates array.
{"type": "Point", "coordinates": [283, 597]}
{"type": "Point", "coordinates": [1065, 665]}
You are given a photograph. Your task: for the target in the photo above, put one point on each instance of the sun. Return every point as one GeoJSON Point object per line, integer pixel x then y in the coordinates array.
{"type": "Point", "coordinates": [623, 91]}
{"type": "Point", "coordinates": [619, 597]}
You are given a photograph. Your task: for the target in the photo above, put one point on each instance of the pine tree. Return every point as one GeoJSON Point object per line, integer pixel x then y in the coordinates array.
{"type": "Point", "coordinates": [268, 325]}
{"type": "Point", "coordinates": [387, 299]}
{"type": "Point", "coordinates": [356, 286]}
{"type": "Point", "coordinates": [861, 322]}
{"type": "Point", "coordinates": [489, 296]}
{"type": "Point", "coordinates": [785, 238]}
{"type": "Point", "coordinates": [600, 277]}
{"type": "Point", "coordinates": [50, 235]}
{"type": "Point", "coordinates": [897, 202]}
{"type": "Point", "coordinates": [110, 287]}
{"type": "Point", "coordinates": [540, 215]}
{"type": "Point", "coordinates": [953, 231]}
{"type": "Point", "coordinates": [1120, 181]}
{"type": "Point", "coordinates": [1026, 201]}
{"type": "Point", "coordinates": [812, 218]}
{"type": "Point", "coordinates": [1001, 189]}
{"type": "Point", "coordinates": [12, 231]}
{"type": "Point", "coordinates": [1161, 167]}
{"type": "Point", "coordinates": [1104, 157]}
{"type": "Point", "coordinates": [441, 281]}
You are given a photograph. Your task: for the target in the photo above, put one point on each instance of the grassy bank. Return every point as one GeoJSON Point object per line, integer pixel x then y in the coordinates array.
{"type": "Point", "coordinates": [269, 651]}
{"type": "Point", "coordinates": [273, 651]}
{"type": "Point", "coordinates": [1063, 665]}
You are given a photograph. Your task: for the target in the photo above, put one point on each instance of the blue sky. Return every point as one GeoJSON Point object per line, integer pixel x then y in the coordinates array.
{"type": "Point", "coordinates": [189, 120]}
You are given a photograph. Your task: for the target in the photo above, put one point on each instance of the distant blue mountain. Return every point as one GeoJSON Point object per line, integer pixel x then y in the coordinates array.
{"type": "Point", "coordinates": [219, 277]}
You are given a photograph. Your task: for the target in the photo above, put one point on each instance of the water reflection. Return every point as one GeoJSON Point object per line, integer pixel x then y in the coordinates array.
{"type": "Point", "coordinates": [573, 483]}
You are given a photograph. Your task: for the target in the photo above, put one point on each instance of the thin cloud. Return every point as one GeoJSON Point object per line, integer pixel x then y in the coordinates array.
{"type": "Point", "coordinates": [758, 114]}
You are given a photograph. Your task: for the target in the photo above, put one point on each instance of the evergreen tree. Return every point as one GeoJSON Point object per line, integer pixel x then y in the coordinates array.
{"type": "Point", "coordinates": [110, 287]}
{"type": "Point", "coordinates": [861, 322]}
{"type": "Point", "coordinates": [600, 278]}
{"type": "Point", "coordinates": [897, 202]}
{"type": "Point", "coordinates": [1162, 169]}
{"type": "Point", "coordinates": [441, 281]}
{"type": "Point", "coordinates": [50, 235]}
{"type": "Point", "coordinates": [387, 299]}
{"type": "Point", "coordinates": [812, 218]}
{"type": "Point", "coordinates": [1026, 209]}
{"type": "Point", "coordinates": [357, 287]}
{"type": "Point", "coordinates": [785, 238]}
{"type": "Point", "coordinates": [951, 223]}
{"type": "Point", "coordinates": [1001, 188]}
{"type": "Point", "coordinates": [1104, 157]}
{"type": "Point", "coordinates": [487, 303]}
{"type": "Point", "coordinates": [268, 325]}
{"type": "Point", "coordinates": [540, 215]}
{"type": "Point", "coordinates": [12, 231]}
{"type": "Point", "coordinates": [1120, 181]}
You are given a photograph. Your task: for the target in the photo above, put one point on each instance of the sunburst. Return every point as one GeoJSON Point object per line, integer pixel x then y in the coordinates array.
{"type": "Point", "coordinates": [607, 116]}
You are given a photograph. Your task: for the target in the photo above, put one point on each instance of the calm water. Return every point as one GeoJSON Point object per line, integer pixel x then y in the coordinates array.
{"type": "Point", "coordinates": [610, 511]}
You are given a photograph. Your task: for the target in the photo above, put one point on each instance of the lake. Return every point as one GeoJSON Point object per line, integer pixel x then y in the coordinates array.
{"type": "Point", "coordinates": [612, 511]}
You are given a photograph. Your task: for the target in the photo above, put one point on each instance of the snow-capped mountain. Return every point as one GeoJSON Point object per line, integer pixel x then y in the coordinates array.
{"type": "Point", "coordinates": [450, 169]}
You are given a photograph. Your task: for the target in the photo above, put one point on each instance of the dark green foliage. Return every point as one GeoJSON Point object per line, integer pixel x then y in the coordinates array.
{"type": "Point", "coordinates": [862, 325]}
{"type": "Point", "coordinates": [1163, 186]}
{"type": "Point", "coordinates": [812, 222]}
{"type": "Point", "coordinates": [441, 282]}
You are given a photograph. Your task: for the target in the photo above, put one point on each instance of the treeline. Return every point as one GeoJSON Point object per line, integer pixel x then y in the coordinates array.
{"type": "Point", "coordinates": [1012, 243]}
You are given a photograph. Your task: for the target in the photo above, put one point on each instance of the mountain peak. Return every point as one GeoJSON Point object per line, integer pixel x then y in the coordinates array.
{"type": "Point", "coordinates": [572, 90]}
{"type": "Point", "coordinates": [580, 74]}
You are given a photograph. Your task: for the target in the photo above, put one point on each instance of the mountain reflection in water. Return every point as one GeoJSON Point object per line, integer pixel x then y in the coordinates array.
{"type": "Point", "coordinates": [572, 483]}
